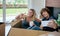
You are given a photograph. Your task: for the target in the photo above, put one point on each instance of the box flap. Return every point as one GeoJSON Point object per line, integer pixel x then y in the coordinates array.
{"type": "Point", "coordinates": [24, 32]}
{"type": "Point", "coordinates": [51, 34]}
{"type": "Point", "coordinates": [14, 22]}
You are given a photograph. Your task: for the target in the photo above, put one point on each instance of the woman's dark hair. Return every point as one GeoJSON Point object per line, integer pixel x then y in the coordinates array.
{"type": "Point", "coordinates": [47, 10]}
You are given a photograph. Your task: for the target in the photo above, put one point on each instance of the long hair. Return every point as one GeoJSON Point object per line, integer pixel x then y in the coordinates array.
{"type": "Point", "coordinates": [34, 14]}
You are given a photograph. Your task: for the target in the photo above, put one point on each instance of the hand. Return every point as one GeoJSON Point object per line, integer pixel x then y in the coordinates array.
{"type": "Point", "coordinates": [52, 24]}
{"type": "Point", "coordinates": [17, 17]}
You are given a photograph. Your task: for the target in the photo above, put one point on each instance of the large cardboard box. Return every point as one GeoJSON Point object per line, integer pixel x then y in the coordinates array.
{"type": "Point", "coordinates": [2, 29]}
{"type": "Point", "coordinates": [16, 30]}
{"type": "Point", "coordinates": [16, 21]}
{"type": "Point", "coordinates": [51, 34]}
{"type": "Point", "coordinates": [25, 32]}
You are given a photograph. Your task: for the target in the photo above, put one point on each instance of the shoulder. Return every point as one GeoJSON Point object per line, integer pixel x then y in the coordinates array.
{"type": "Point", "coordinates": [52, 17]}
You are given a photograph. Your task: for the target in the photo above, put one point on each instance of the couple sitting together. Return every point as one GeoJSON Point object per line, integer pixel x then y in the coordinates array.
{"type": "Point", "coordinates": [30, 21]}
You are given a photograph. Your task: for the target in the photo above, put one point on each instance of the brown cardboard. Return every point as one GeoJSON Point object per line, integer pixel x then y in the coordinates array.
{"type": "Point", "coordinates": [25, 32]}
{"type": "Point", "coordinates": [51, 34]}
{"type": "Point", "coordinates": [2, 29]}
{"type": "Point", "coordinates": [16, 21]}
{"type": "Point", "coordinates": [16, 30]}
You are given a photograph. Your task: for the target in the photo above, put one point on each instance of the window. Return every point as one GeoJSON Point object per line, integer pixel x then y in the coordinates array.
{"type": "Point", "coordinates": [14, 8]}
{"type": "Point", "coordinates": [1, 12]}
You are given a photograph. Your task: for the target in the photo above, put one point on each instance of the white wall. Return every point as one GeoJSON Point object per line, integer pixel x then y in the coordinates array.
{"type": "Point", "coordinates": [37, 5]}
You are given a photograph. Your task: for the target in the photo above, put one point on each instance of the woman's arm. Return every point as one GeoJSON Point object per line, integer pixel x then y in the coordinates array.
{"type": "Point", "coordinates": [38, 20]}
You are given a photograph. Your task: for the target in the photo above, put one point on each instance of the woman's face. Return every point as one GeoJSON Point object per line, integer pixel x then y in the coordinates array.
{"type": "Point", "coordinates": [30, 13]}
{"type": "Point", "coordinates": [45, 14]}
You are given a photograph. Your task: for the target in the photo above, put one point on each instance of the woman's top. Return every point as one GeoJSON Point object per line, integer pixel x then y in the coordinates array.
{"type": "Point", "coordinates": [25, 24]}
{"type": "Point", "coordinates": [44, 19]}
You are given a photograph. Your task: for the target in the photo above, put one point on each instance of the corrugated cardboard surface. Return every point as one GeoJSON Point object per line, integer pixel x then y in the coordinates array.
{"type": "Point", "coordinates": [51, 34]}
{"type": "Point", "coordinates": [2, 29]}
{"type": "Point", "coordinates": [16, 30]}
{"type": "Point", "coordinates": [25, 32]}
{"type": "Point", "coordinates": [16, 21]}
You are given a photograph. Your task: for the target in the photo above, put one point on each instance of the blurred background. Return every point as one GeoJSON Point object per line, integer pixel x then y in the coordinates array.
{"type": "Point", "coordinates": [9, 9]}
{"type": "Point", "coordinates": [13, 8]}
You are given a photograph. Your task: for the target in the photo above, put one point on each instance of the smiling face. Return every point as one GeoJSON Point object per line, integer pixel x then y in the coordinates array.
{"type": "Point", "coordinates": [45, 14]}
{"type": "Point", "coordinates": [30, 13]}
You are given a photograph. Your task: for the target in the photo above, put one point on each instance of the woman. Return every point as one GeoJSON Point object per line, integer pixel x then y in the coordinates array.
{"type": "Point", "coordinates": [45, 12]}
{"type": "Point", "coordinates": [30, 20]}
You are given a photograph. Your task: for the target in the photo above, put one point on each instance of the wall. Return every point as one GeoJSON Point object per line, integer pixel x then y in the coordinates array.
{"type": "Point", "coordinates": [53, 3]}
{"type": "Point", "coordinates": [37, 5]}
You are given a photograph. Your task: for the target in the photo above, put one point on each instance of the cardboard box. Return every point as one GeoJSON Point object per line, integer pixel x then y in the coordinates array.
{"type": "Point", "coordinates": [16, 21]}
{"type": "Point", "coordinates": [16, 30]}
{"type": "Point", "coordinates": [51, 34]}
{"type": "Point", "coordinates": [2, 29]}
{"type": "Point", "coordinates": [25, 32]}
